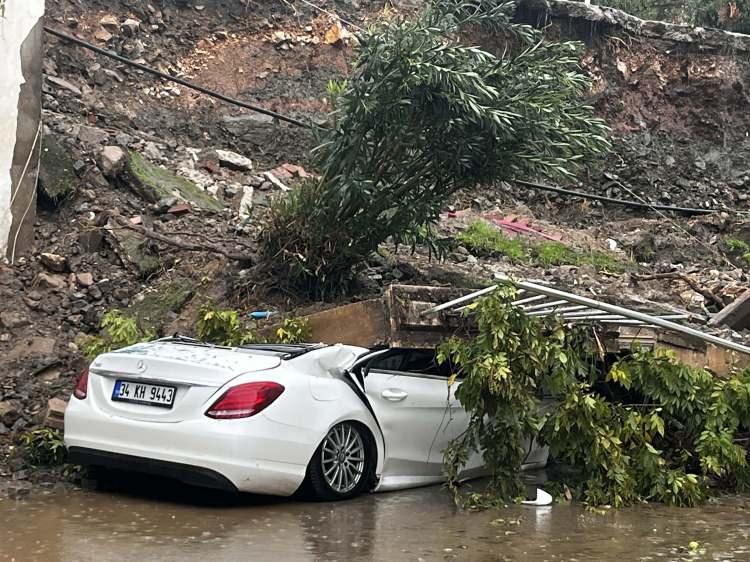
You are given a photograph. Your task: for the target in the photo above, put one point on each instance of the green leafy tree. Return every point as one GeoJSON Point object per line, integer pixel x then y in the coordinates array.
{"type": "Point", "coordinates": [677, 443]}
{"type": "Point", "coordinates": [422, 117]}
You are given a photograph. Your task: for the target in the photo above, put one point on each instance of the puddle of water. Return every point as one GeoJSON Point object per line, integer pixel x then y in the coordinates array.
{"type": "Point", "coordinates": [184, 524]}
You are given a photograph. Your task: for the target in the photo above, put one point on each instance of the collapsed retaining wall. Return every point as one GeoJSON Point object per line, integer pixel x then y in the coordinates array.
{"type": "Point", "coordinates": [20, 121]}
{"type": "Point", "coordinates": [698, 38]}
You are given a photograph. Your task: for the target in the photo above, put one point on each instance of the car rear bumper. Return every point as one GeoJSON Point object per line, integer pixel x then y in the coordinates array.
{"type": "Point", "coordinates": [194, 475]}
{"type": "Point", "coordinates": [252, 455]}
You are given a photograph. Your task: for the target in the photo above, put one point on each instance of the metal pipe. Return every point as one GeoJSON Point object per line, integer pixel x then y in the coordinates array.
{"type": "Point", "coordinates": [607, 316]}
{"type": "Point", "coordinates": [585, 314]}
{"type": "Point", "coordinates": [543, 305]}
{"type": "Point", "coordinates": [632, 314]}
{"type": "Point", "coordinates": [558, 310]}
{"type": "Point", "coordinates": [536, 298]}
{"type": "Point", "coordinates": [460, 300]}
{"type": "Point", "coordinates": [519, 292]}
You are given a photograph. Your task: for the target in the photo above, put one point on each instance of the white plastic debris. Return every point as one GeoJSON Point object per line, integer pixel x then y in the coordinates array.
{"type": "Point", "coordinates": [542, 498]}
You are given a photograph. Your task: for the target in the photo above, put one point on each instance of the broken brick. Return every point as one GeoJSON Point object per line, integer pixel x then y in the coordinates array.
{"type": "Point", "coordinates": [179, 209]}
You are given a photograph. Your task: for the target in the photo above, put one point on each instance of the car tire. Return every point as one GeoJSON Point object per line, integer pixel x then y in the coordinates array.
{"type": "Point", "coordinates": [343, 464]}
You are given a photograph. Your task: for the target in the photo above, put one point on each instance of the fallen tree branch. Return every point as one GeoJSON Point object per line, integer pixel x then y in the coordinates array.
{"type": "Point", "coordinates": [709, 295]}
{"type": "Point", "coordinates": [182, 244]}
{"type": "Point", "coordinates": [173, 233]}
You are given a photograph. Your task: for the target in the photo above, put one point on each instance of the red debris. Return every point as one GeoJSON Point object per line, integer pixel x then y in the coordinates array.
{"type": "Point", "coordinates": [288, 171]}
{"type": "Point", "coordinates": [519, 225]}
{"type": "Point", "coordinates": [210, 165]}
{"type": "Point", "coordinates": [179, 209]}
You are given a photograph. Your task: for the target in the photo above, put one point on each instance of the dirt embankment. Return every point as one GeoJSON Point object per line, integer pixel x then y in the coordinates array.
{"type": "Point", "coordinates": [680, 122]}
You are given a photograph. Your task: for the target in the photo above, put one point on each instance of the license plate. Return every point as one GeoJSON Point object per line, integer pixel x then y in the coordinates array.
{"type": "Point", "coordinates": [143, 393]}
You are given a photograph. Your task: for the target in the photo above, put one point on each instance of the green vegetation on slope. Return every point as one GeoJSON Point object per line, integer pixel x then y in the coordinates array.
{"type": "Point", "coordinates": [484, 239]}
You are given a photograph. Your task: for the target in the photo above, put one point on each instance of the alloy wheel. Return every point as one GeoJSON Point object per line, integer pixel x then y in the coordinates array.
{"type": "Point", "coordinates": [343, 458]}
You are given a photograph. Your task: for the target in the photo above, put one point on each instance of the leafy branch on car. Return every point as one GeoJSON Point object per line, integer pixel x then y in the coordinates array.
{"type": "Point", "coordinates": [649, 429]}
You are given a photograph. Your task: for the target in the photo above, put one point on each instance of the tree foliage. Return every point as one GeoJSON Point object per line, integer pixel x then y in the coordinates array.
{"type": "Point", "coordinates": [117, 330]}
{"type": "Point", "coordinates": [225, 327]}
{"type": "Point", "coordinates": [423, 116]}
{"type": "Point", "coordinates": [670, 446]}
{"type": "Point", "coordinates": [43, 447]}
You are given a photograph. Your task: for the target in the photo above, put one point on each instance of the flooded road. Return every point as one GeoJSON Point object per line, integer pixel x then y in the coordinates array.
{"type": "Point", "coordinates": [175, 523]}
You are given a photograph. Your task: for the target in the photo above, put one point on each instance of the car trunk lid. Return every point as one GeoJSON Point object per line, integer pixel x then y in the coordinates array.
{"type": "Point", "coordinates": [194, 372]}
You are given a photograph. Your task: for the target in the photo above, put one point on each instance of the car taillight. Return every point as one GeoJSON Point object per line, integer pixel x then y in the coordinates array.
{"type": "Point", "coordinates": [82, 386]}
{"type": "Point", "coordinates": [245, 400]}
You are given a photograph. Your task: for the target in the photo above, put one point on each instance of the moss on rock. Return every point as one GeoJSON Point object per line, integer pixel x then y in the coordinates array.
{"type": "Point", "coordinates": [57, 178]}
{"type": "Point", "coordinates": [156, 308]}
{"type": "Point", "coordinates": [153, 183]}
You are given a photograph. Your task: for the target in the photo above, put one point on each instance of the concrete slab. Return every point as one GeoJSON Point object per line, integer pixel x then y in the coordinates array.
{"type": "Point", "coordinates": [736, 315]}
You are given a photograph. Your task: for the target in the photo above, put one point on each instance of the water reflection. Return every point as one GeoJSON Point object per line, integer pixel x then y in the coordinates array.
{"type": "Point", "coordinates": [147, 519]}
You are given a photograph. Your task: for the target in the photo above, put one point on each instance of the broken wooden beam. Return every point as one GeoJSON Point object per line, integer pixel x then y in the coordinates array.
{"type": "Point", "coordinates": [735, 316]}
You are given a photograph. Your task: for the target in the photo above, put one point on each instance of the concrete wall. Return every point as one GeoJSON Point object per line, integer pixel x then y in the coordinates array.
{"type": "Point", "coordinates": [20, 121]}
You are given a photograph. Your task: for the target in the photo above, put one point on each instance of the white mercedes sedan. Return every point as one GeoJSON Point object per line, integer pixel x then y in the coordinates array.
{"type": "Point", "coordinates": [330, 420]}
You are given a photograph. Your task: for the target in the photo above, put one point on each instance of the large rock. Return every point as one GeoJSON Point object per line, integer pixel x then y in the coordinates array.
{"type": "Point", "coordinates": [112, 160]}
{"type": "Point", "coordinates": [228, 159]}
{"type": "Point", "coordinates": [54, 417]}
{"type": "Point", "coordinates": [10, 411]}
{"type": "Point", "coordinates": [154, 183]}
{"type": "Point", "coordinates": [65, 85]}
{"type": "Point", "coordinates": [246, 202]}
{"type": "Point", "coordinates": [57, 178]}
{"type": "Point", "coordinates": [110, 23]}
{"type": "Point", "coordinates": [47, 281]}
{"type": "Point", "coordinates": [85, 279]}
{"type": "Point", "coordinates": [13, 320]}
{"type": "Point", "coordinates": [31, 346]}
{"type": "Point", "coordinates": [133, 250]}
{"type": "Point", "coordinates": [130, 26]}
{"type": "Point", "coordinates": [698, 38]}
{"type": "Point", "coordinates": [92, 136]}
{"type": "Point", "coordinates": [54, 262]}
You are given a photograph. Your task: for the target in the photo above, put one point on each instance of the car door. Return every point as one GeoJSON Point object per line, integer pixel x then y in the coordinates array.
{"type": "Point", "coordinates": [411, 399]}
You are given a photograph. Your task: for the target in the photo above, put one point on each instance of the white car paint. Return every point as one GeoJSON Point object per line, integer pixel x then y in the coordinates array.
{"type": "Point", "coordinates": [269, 452]}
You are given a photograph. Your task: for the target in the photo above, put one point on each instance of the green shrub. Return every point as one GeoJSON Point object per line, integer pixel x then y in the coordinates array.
{"type": "Point", "coordinates": [221, 327]}
{"type": "Point", "coordinates": [117, 330]}
{"type": "Point", "coordinates": [43, 447]}
{"type": "Point", "coordinates": [485, 239]}
{"type": "Point", "coordinates": [739, 248]}
{"type": "Point", "coordinates": [224, 327]}
{"type": "Point", "coordinates": [293, 330]}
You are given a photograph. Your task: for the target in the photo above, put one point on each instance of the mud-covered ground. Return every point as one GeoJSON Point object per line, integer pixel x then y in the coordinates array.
{"type": "Point", "coordinates": [143, 520]}
{"type": "Point", "coordinates": [680, 132]}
